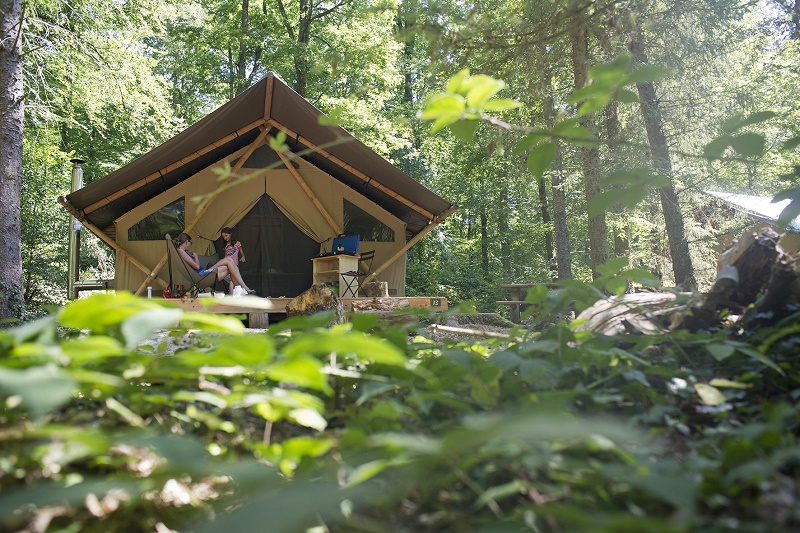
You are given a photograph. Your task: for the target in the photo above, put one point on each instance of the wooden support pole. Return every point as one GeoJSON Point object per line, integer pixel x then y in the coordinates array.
{"type": "Point", "coordinates": [414, 240]}
{"type": "Point", "coordinates": [220, 188]}
{"type": "Point", "coordinates": [303, 185]}
{"type": "Point", "coordinates": [357, 173]}
{"type": "Point", "coordinates": [110, 242]}
{"type": "Point", "coordinates": [157, 175]}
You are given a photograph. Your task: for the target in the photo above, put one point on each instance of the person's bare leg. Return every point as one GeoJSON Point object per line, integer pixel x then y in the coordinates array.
{"type": "Point", "coordinates": [227, 266]}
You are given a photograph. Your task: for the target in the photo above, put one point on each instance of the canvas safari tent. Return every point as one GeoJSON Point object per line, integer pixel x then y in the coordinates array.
{"type": "Point", "coordinates": [284, 206]}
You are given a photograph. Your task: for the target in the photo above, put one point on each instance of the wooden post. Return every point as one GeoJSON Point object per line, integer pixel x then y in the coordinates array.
{"type": "Point", "coordinates": [303, 185]}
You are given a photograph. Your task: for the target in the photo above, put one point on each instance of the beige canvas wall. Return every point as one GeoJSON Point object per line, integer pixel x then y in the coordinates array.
{"type": "Point", "coordinates": [233, 203]}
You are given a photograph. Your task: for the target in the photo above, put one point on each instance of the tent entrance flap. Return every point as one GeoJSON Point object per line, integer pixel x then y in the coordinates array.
{"type": "Point", "coordinates": [278, 254]}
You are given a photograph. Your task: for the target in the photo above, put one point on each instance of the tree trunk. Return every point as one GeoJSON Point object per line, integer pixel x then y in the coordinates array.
{"type": "Point", "coordinates": [598, 233]}
{"type": "Point", "coordinates": [562, 246]}
{"type": "Point", "coordinates": [484, 241]}
{"type": "Point", "coordinates": [659, 155]}
{"type": "Point", "coordinates": [622, 227]}
{"type": "Point", "coordinates": [548, 236]}
{"type": "Point", "coordinates": [11, 114]}
{"type": "Point", "coordinates": [505, 243]}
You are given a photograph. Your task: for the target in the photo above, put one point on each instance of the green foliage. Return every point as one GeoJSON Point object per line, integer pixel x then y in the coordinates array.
{"type": "Point", "coordinates": [365, 426]}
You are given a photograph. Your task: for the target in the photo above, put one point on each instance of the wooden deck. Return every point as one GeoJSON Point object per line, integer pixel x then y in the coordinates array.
{"type": "Point", "coordinates": [258, 309]}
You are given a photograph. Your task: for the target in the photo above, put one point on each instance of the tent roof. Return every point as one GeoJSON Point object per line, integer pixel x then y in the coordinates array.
{"type": "Point", "coordinates": [761, 207]}
{"type": "Point", "coordinates": [270, 104]}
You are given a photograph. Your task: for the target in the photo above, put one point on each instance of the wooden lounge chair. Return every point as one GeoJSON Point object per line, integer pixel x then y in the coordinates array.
{"type": "Point", "coordinates": [181, 273]}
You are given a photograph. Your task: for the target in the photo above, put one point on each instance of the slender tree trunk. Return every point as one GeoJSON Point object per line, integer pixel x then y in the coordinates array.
{"type": "Point", "coordinates": [11, 114]}
{"type": "Point", "coordinates": [598, 232]}
{"type": "Point", "coordinates": [484, 241]}
{"type": "Point", "coordinates": [505, 243]}
{"type": "Point", "coordinates": [659, 155]}
{"type": "Point", "coordinates": [301, 39]}
{"type": "Point", "coordinates": [561, 230]}
{"type": "Point", "coordinates": [547, 220]}
{"type": "Point", "coordinates": [622, 227]}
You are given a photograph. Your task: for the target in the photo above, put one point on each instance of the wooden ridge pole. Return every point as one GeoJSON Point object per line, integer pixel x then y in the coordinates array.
{"type": "Point", "coordinates": [303, 185]}
{"type": "Point", "coordinates": [397, 196]}
{"type": "Point", "coordinates": [190, 226]}
{"type": "Point", "coordinates": [157, 175]}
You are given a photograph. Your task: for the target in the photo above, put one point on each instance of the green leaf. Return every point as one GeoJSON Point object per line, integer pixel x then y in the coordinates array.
{"type": "Point", "coordinates": [465, 129]}
{"type": "Point", "coordinates": [103, 313]}
{"type": "Point", "coordinates": [143, 325]}
{"type": "Point", "coordinates": [594, 104]}
{"type": "Point", "coordinates": [530, 140]}
{"type": "Point", "coordinates": [720, 351]}
{"type": "Point", "coordinates": [85, 349]}
{"type": "Point", "coordinates": [717, 147]}
{"type": "Point", "coordinates": [612, 71]}
{"type": "Point", "coordinates": [365, 347]}
{"type": "Point", "coordinates": [367, 471]}
{"type": "Point", "coordinates": [214, 322]}
{"type": "Point", "coordinates": [499, 492]}
{"type": "Point", "coordinates": [587, 92]}
{"type": "Point", "coordinates": [748, 144]}
{"type": "Point", "coordinates": [789, 213]}
{"type": "Point", "coordinates": [278, 141]}
{"type": "Point", "coordinates": [647, 74]}
{"type": "Point", "coordinates": [484, 88]}
{"type": "Point", "coordinates": [642, 276]}
{"type": "Point", "coordinates": [791, 143]}
{"type": "Point", "coordinates": [540, 158]}
{"type": "Point", "coordinates": [454, 83]}
{"type": "Point", "coordinates": [629, 197]}
{"type": "Point", "coordinates": [758, 356]}
{"type": "Point", "coordinates": [443, 121]}
{"type": "Point", "coordinates": [42, 388]}
{"type": "Point", "coordinates": [443, 105]}
{"type": "Point", "coordinates": [737, 121]}
{"type": "Point", "coordinates": [303, 371]}
{"type": "Point", "coordinates": [200, 396]}
{"type": "Point", "coordinates": [627, 96]}
{"type": "Point", "coordinates": [617, 286]}
{"type": "Point", "coordinates": [613, 266]}
{"type": "Point", "coordinates": [250, 351]}
{"type": "Point", "coordinates": [308, 418]}
{"type": "Point", "coordinates": [501, 104]}
{"type": "Point", "coordinates": [573, 133]}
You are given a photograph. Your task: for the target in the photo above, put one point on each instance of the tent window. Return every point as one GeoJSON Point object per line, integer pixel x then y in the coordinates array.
{"type": "Point", "coordinates": [169, 219]}
{"type": "Point", "coordinates": [356, 220]}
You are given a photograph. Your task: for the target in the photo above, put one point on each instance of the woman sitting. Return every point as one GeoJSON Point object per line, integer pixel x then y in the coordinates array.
{"type": "Point", "coordinates": [224, 267]}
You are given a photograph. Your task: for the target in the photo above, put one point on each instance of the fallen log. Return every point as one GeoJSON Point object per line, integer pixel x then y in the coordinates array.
{"type": "Point", "coordinates": [754, 271]}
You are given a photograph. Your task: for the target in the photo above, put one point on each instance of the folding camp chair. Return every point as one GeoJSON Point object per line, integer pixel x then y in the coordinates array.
{"type": "Point", "coordinates": [352, 278]}
{"type": "Point", "coordinates": [182, 272]}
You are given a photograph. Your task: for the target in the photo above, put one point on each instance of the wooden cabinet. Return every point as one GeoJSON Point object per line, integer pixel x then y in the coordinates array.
{"type": "Point", "coordinates": [329, 270]}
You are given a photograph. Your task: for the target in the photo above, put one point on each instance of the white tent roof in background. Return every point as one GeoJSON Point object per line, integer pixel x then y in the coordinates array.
{"type": "Point", "coordinates": [758, 206]}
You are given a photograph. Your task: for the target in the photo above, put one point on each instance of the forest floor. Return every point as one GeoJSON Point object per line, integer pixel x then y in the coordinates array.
{"type": "Point", "coordinates": [457, 327]}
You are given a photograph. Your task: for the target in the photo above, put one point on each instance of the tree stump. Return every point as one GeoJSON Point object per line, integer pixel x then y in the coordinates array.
{"type": "Point", "coordinates": [376, 289]}
{"type": "Point", "coordinates": [316, 299]}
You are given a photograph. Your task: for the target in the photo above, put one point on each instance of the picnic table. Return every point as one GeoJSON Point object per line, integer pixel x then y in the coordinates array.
{"type": "Point", "coordinates": [517, 301]}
